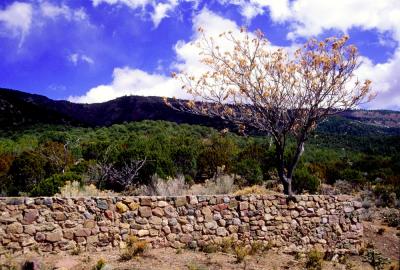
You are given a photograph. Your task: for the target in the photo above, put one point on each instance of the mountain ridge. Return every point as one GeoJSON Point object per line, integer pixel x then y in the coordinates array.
{"type": "Point", "coordinates": [19, 109]}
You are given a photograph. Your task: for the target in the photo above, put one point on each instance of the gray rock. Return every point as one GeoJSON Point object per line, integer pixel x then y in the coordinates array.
{"type": "Point", "coordinates": [102, 204]}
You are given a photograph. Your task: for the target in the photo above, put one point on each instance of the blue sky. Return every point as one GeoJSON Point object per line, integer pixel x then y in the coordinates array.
{"type": "Point", "coordinates": [96, 50]}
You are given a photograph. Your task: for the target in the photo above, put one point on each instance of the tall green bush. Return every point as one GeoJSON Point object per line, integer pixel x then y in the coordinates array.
{"type": "Point", "coordinates": [303, 180]}
{"type": "Point", "coordinates": [51, 185]}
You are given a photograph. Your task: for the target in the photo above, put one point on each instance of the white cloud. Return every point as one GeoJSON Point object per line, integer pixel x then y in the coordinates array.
{"type": "Point", "coordinates": [278, 9]}
{"type": "Point", "coordinates": [127, 81]}
{"type": "Point", "coordinates": [161, 11]}
{"type": "Point", "coordinates": [130, 81]}
{"type": "Point", "coordinates": [17, 18]}
{"type": "Point", "coordinates": [386, 81]}
{"type": "Point", "coordinates": [53, 11]}
{"type": "Point", "coordinates": [249, 10]}
{"type": "Point", "coordinates": [130, 3]}
{"type": "Point", "coordinates": [76, 58]}
{"type": "Point", "coordinates": [213, 25]}
{"type": "Point", "coordinates": [87, 59]}
{"type": "Point", "coordinates": [312, 17]}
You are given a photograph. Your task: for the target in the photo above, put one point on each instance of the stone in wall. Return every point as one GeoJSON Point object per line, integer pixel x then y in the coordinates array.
{"type": "Point", "coordinates": [58, 224]}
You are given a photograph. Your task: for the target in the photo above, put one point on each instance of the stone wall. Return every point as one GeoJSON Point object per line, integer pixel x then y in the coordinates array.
{"type": "Point", "coordinates": [53, 224]}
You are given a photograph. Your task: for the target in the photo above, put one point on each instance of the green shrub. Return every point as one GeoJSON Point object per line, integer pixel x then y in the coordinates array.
{"type": "Point", "coordinates": [333, 171]}
{"type": "Point", "coordinates": [258, 247]}
{"type": "Point", "coordinates": [26, 171]}
{"type": "Point", "coordinates": [210, 248]}
{"type": "Point", "coordinates": [391, 218]}
{"type": "Point", "coordinates": [352, 175]}
{"type": "Point", "coordinates": [250, 169]}
{"type": "Point", "coordinates": [219, 151]}
{"type": "Point", "coordinates": [51, 185]}
{"type": "Point", "coordinates": [29, 155]}
{"type": "Point", "coordinates": [303, 180]}
{"type": "Point", "coordinates": [375, 259]}
{"type": "Point", "coordinates": [385, 195]}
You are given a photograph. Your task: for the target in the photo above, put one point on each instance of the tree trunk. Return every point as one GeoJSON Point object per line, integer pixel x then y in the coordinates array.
{"type": "Point", "coordinates": [287, 187]}
{"type": "Point", "coordinates": [286, 181]}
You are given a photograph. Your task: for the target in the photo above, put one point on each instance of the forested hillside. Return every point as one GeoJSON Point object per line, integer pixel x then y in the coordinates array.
{"type": "Point", "coordinates": [39, 160]}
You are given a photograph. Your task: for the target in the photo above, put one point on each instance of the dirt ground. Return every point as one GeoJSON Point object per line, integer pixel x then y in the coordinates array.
{"type": "Point", "coordinates": [170, 259]}
{"type": "Point", "coordinates": [386, 242]}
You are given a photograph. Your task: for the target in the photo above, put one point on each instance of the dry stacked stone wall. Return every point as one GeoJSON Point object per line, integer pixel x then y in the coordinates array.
{"type": "Point", "coordinates": [91, 223]}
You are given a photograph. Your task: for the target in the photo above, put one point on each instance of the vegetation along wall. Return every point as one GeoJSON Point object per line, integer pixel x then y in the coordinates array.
{"type": "Point", "coordinates": [94, 223]}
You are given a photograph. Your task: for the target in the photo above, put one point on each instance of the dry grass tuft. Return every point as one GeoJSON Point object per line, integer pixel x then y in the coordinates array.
{"type": "Point", "coordinates": [169, 187]}
{"type": "Point", "coordinates": [134, 248]}
{"type": "Point", "coordinates": [241, 251]}
{"type": "Point", "coordinates": [314, 260]}
{"type": "Point", "coordinates": [75, 189]}
{"type": "Point", "coordinates": [256, 189]}
{"type": "Point", "coordinates": [100, 264]}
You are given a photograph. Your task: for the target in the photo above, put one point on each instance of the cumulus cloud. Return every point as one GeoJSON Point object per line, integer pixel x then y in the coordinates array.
{"type": "Point", "coordinates": [128, 81]}
{"type": "Point", "coordinates": [312, 17]}
{"type": "Point", "coordinates": [17, 19]}
{"type": "Point", "coordinates": [308, 18]}
{"type": "Point", "coordinates": [187, 52]}
{"type": "Point", "coordinates": [386, 81]}
{"type": "Point", "coordinates": [131, 81]}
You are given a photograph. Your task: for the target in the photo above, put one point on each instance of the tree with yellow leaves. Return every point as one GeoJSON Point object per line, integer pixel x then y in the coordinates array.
{"type": "Point", "coordinates": [283, 94]}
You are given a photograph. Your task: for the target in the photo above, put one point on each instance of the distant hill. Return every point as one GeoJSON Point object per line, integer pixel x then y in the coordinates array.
{"type": "Point", "coordinates": [20, 109]}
